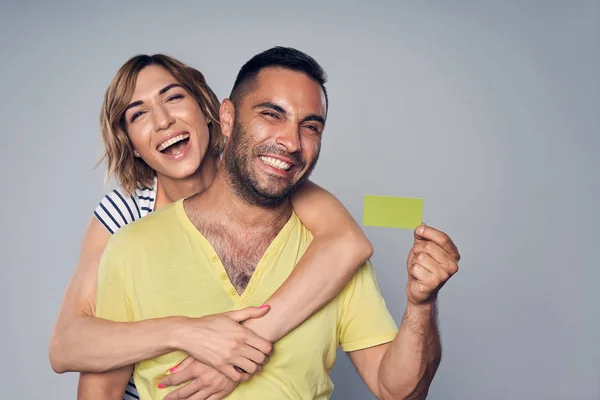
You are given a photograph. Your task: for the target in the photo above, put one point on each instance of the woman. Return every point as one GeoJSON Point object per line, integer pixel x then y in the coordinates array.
{"type": "Point", "coordinates": [137, 109]}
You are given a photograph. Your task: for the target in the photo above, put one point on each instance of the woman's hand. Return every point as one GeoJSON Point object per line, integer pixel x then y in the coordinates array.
{"type": "Point", "coordinates": [205, 383]}
{"type": "Point", "coordinates": [222, 342]}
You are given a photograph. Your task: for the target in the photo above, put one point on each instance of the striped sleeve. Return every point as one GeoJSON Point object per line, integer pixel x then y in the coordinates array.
{"type": "Point", "coordinates": [116, 210]}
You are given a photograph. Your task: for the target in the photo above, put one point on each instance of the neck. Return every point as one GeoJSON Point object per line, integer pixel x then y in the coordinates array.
{"type": "Point", "coordinates": [222, 203]}
{"type": "Point", "coordinates": [170, 190]}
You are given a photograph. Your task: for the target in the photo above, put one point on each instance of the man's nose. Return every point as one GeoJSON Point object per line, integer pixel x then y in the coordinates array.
{"type": "Point", "coordinates": [289, 137]}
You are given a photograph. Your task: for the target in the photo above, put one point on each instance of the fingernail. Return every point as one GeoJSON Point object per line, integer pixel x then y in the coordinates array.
{"type": "Point", "coordinates": [265, 306]}
{"type": "Point", "coordinates": [161, 386]}
{"type": "Point", "coordinates": [420, 229]}
{"type": "Point", "coordinates": [173, 369]}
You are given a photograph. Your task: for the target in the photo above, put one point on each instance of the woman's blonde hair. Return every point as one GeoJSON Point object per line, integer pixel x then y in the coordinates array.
{"type": "Point", "coordinates": [130, 171]}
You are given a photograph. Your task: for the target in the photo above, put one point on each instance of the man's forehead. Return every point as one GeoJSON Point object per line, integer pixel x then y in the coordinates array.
{"type": "Point", "coordinates": [288, 85]}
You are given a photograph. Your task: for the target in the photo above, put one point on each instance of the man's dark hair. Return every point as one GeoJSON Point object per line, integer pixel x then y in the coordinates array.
{"type": "Point", "coordinates": [277, 57]}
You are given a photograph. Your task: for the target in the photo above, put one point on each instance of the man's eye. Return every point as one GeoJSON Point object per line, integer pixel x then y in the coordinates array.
{"type": "Point", "coordinates": [270, 114]}
{"type": "Point", "coordinates": [313, 127]}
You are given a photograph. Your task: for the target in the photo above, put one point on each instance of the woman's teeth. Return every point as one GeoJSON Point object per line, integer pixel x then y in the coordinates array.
{"type": "Point", "coordinates": [172, 141]}
{"type": "Point", "coordinates": [274, 162]}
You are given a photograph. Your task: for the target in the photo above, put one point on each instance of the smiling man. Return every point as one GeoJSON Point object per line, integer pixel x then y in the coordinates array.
{"type": "Point", "coordinates": [233, 245]}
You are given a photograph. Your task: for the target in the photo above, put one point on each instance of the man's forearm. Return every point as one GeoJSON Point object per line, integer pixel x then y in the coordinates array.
{"type": "Point", "coordinates": [89, 344]}
{"type": "Point", "coordinates": [410, 363]}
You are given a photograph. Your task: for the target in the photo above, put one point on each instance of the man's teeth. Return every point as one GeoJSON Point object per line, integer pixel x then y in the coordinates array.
{"type": "Point", "coordinates": [172, 141]}
{"type": "Point", "coordinates": [273, 162]}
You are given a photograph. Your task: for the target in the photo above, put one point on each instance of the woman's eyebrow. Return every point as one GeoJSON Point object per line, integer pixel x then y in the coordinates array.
{"type": "Point", "coordinates": [161, 92]}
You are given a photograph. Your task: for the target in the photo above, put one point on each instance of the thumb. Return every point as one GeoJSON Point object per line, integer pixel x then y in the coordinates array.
{"type": "Point", "coordinates": [419, 230]}
{"type": "Point", "coordinates": [248, 312]}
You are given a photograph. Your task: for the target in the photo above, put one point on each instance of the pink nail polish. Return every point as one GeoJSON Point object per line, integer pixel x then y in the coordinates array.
{"type": "Point", "coordinates": [161, 386]}
{"type": "Point", "coordinates": [173, 369]}
{"type": "Point", "coordinates": [264, 306]}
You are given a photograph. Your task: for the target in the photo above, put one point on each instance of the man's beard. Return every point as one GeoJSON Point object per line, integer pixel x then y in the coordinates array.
{"type": "Point", "coordinates": [238, 157]}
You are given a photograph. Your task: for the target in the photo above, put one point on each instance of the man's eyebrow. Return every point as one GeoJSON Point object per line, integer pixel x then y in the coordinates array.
{"type": "Point", "coordinates": [279, 109]}
{"type": "Point", "coordinates": [272, 106]}
{"type": "Point", "coordinates": [314, 117]}
{"type": "Point", "coordinates": [161, 92]}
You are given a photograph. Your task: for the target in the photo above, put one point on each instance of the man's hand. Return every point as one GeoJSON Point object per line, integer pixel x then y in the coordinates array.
{"type": "Point", "coordinates": [432, 260]}
{"type": "Point", "coordinates": [206, 383]}
{"type": "Point", "coordinates": [221, 342]}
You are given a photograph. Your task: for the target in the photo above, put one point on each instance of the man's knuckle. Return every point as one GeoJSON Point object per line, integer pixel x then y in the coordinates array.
{"type": "Point", "coordinates": [454, 268]}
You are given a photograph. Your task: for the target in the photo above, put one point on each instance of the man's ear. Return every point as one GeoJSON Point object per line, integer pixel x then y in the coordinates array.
{"type": "Point", "coordinates": [226, 117]}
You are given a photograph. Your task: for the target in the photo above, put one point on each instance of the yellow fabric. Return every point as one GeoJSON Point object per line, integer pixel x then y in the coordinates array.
{"type": "Point", "coordinates": [163, 266]}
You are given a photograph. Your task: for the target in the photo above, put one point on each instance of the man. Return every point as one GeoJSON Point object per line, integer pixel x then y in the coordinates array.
{"type": "Point", "coordinates": [234, 244]}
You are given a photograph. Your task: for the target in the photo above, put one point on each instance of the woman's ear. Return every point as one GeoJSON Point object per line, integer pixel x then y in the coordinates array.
{"type": "Point", "coordinates": [227, 116]}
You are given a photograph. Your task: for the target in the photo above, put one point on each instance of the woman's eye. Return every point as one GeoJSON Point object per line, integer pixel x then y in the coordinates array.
{"type": "Point", "coordinates": [136, 116]}
{"type": "Point", "coordinates": [175, 97]}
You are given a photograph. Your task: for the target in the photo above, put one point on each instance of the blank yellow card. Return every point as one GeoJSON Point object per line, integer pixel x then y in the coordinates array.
{"type": "Point", "coordinates": [392, 212]}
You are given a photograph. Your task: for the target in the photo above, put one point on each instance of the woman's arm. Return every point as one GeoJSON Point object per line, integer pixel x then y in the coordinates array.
{"type": "Point", "coordinates": [338, 249]}
{"type": "Point", "coordinates": [81, 342]}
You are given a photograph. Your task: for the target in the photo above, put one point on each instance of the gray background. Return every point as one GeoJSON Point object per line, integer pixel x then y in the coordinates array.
{"type": "Point", "coordinates": [487, 110]}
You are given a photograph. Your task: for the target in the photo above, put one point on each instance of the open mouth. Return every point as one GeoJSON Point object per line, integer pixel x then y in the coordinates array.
{"type": "Point", "coordinates": [175, 145]}
{"type": "Point", "coordinates": [276, 163]}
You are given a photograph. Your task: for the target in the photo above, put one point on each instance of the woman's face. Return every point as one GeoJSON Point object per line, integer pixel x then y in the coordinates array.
{"type": "Point", "coordinates": [166, 125]}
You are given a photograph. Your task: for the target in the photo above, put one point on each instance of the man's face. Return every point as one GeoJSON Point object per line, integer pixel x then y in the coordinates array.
{"type": "Point", "coordinates": [275, 139]}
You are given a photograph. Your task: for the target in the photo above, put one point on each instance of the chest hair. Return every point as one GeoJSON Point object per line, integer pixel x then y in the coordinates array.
{"type": "Point", "coordinates": [239, 250]}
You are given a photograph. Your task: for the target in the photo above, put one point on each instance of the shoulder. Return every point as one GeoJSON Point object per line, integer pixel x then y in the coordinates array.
{"type": "Point", "coordinates": [117, 208]}
{"type": "Point", "coordinates": [144, 231]}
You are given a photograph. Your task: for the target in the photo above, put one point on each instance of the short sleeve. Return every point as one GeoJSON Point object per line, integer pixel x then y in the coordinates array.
{"type": "Point", "coordinates": [365, 320]}
{"type": "Point", "coordinates": [112, 296]}
{"type": "Point", "coordinates": [116, 210]}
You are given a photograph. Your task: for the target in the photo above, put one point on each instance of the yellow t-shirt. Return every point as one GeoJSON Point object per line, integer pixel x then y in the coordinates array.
{"type": "Point", "coordinates": [161, 266]}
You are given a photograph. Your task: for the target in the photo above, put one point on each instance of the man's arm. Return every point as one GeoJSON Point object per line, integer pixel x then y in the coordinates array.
{"type": "Point", "coordinates": [109, 385]}
{"type": "Point", "coordinates": [404, 369]}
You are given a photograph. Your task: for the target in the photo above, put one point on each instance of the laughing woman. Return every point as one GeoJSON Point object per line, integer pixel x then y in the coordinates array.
{"type": "Point", "coordinates": [160, 126]}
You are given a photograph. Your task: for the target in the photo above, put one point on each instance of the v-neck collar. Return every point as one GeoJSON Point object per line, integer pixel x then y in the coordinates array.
{"type": "Point", "coordinates": [219, 270]}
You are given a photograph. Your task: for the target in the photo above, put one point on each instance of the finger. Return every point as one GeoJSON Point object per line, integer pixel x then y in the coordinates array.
{"type": "Point", "coordinates": [432, 266]}
{"type": "Point", "coordinates": [422, 274]}
{"type": "Point", "coordinates": [260, 344]}
{"type": "Point", "coordinates": [177, 379]}
{"type": "Point", "coordinates": [202, 395]}
{"type": "Point", "coordinates": [424, 232]}
{"type": "Point", "coordinates": [445, 260]}
{"type": "Point", "coordinates": [230, 372]}
{"type": "Point", "coordinates": [440, 255]}
{"type": "Point", "coordinates": [217, 396]}
{"type": "Point", "coordinates": [254, 355]}
{"type": "Point", "coordinates": [188, 390]}
{"type": "Point", "coordinates": [248, 366]}
{"type": "Point", "coordinates": [247, 313]}
{"type": "Point", "coordinates": [182, 365]}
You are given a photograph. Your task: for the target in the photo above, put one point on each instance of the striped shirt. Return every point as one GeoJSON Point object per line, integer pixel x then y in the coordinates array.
{"type": "Point", "coordinates": [115, 210]}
